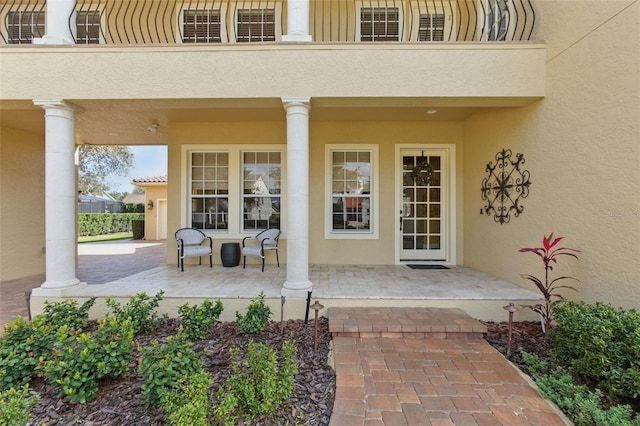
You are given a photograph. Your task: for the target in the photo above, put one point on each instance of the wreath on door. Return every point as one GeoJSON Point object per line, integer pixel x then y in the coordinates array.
{"type": "Point", "coordinates": [422, 173]}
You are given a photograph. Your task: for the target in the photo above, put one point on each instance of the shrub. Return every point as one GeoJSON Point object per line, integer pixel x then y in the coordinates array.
{"type": "Point", "coordinates": [141, 309]}
{"type": "Point", "coordinates": [199, 319]}
{"type": "Point", "coordinates": [16, 406]}
{"type": "Point", "coordinates": [256, 318]}
{"type": "Point", "coordinates": [162, 366]}
{"type": "Point", "coordinates": [189, 402]}
{"type": "Point", "coordinates": [601, 344]}
{"type": "Point", "coordinates": [67, 312]}
{"type": "Point", "coordinates": [21, 347]}
{"type": "Point", "coordinates": [257, 386]}
{"type": "Point", "coordinates": [25, 345]}
{"type": "Point", "coordinates": [580, 404]}
{"type": "Point", "coordinates": [80, 359]}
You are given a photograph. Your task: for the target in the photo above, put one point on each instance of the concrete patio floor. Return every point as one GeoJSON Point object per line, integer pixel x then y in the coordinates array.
{"type": "Point", "coordinates": [122, 269]}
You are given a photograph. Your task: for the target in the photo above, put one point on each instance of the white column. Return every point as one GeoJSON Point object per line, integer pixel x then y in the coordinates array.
{"type": "Point", "coordinates": [57, 18]}
{"type": "Point", "coordinates": [61, 197]}
{"type": "Point", "coordinates": [297, 21]}
{"type": "Point", "coordinates": [297, 230]}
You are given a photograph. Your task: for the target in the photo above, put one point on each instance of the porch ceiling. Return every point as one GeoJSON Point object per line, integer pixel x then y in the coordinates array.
{"type": "Point", "coordinates": [125, 122]}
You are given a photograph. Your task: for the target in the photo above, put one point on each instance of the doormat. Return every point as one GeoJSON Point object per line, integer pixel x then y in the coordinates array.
{"type": "Point", "coordinates": [427, 267]}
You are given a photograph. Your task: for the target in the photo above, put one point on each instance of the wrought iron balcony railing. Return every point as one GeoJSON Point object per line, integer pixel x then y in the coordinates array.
{"type": "Point", "coordinates": [141, 22]}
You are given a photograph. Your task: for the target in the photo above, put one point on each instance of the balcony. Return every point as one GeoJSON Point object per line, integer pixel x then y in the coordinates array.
{"type": "Point", "coordinates": [175, 22]}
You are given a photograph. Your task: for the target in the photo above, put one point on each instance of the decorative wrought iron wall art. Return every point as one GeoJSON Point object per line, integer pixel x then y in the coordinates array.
{"type": "Point", "coordinates": [504, 186]}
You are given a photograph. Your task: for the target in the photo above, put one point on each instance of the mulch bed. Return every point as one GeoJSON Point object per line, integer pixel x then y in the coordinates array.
{"type": "Point", "coordinates": [120, 402]}
{"type": "Point", "coordinates": [526, 336]}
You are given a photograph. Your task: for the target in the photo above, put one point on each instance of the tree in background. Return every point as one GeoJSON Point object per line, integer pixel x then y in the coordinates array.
{"type": "Point", "coordinates": [97, 163]}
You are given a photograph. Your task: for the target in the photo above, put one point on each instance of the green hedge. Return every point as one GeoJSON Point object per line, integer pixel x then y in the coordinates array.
{"type": "Point", "coordinates": [133, 208]}
{"type": "Point", "coordinates": [601, 344]}
{"type": "Point", "coordinates": [90, 224]}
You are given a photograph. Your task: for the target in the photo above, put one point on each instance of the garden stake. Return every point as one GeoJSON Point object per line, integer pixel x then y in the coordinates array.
{"type": "Point", "coordinates": [282, 300]}
{"type": "Point", "coordinates": [316, 307]}
{"type": "Point", "coordinates": [511, 308]}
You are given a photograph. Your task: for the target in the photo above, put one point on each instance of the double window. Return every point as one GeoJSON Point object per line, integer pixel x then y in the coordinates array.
{"type": "Point", "coordinates": [235, 190]}
{"type": "Point", "coordinates": [211, 24]}
{"type": "Point", "coordinates": [24, 26]}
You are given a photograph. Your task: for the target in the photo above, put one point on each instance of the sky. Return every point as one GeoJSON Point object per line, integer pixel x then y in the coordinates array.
{"type": "Point", "coordinates": [148, 161]}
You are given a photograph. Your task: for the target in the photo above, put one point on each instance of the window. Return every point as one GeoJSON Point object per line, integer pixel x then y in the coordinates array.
{"type": "Point", "coordinates": [261, 178]}
{"type": "Point", "coordinates": [88, 27]}
{"type": "Point", "coordinates": [496, 25]}
{"type": "Point", "coordinates": [23, 26]}
{"type": "Point", "coordinates": [379, 24]}
{"type": "Point", "coordinates": [210, 190]}
{"type": "Point", "coordinates": [235, 190]}
{"type": "Point", "coordinates": [431, 27]}
{"type": "Point", "coordinates": [351, 179]}
{"type": "Point", "coordinates": [202, 26]}
{"type": "Point", "coordinates": [432, 21]}
{"type": "Point", "coordinates": [255, 25]}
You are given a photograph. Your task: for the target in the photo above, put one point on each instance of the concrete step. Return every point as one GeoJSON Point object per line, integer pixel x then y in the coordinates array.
{"type": "Point", "coordinates": [409, 323]}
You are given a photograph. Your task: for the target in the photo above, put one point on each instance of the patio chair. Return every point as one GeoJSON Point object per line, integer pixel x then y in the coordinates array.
{"type": "Point", "coordinates": [190, 245]}
{"type": "Point", "coordinates": [267, 239]}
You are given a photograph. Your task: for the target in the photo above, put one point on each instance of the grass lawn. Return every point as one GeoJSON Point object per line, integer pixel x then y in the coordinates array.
{"type": "Point", "coordinates": [108, 237]}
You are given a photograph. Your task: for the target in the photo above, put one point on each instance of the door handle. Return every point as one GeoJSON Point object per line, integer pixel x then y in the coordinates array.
{"type": "Point", "coordinates": [401, 220]}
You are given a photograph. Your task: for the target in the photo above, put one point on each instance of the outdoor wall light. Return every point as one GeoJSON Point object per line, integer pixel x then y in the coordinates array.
{"type": "Point", "coordinates": [150, 205]}
{"type": "Point", "coordinates": [153, 128]}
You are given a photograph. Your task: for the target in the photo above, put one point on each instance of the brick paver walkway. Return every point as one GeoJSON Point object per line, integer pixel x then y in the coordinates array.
{"type": "Point", "coordinates": [415, 366]}
{"type": "Point", "coordinates": [97, 263]}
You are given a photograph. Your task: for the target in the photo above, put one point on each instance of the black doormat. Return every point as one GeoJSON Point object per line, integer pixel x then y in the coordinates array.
{"type": "Point", "coordinates": [427, 267]}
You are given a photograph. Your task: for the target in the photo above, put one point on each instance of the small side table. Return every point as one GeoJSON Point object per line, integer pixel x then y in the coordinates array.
{"type": "Point", "coordinates": [230, 254]}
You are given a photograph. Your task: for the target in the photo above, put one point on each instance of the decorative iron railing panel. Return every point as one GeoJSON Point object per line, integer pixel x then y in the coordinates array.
{"type": "Point", "coordinates": [140, 22]}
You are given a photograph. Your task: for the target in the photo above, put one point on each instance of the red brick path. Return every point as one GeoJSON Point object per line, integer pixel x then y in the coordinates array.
{"type": "Point", "coordinates": [413, 366]}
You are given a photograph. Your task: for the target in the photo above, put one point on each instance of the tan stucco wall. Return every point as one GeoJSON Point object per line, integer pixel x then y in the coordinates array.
{"type": "Point", "coordinates": [153, 193]}
{"type": "Point", "coordinates": [21, 204]}
{"type": "Point", "coordinates": [322, 251]}
{"type": "Point", "coordinates": [582, 147]}
{"type": "Point", "coordinates": [465, 70]}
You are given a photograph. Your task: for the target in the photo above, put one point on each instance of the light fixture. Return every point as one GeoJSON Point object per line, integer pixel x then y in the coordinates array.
{"type": "Point", "coordinates": [431, 111]}
{"type": "Point", "coordinates": [153, 128]}
{"type": "Point", "coordinates": [150, 205]}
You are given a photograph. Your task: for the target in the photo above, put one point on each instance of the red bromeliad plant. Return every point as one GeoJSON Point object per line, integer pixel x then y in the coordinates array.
{"type": "Point", "coordinates": [549, 254]}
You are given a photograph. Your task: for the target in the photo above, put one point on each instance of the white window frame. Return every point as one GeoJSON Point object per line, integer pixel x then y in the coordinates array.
{"type": "Point", "coordinates": [422, 8]}
{"type": "Point", "coordinates": [234, 230]}
{"type": "Point", "coordinates": [244, 196]}
{"type": "Point", "coordinates": [374, 225]}
{"type": "Point", "coordinates": [222, 7]}
{"type": "Point", "coordinates": [375, 4]}
{"type": "Point", "coordinates": [260, 5]}
{"type": "Point", "coordinates": [204, 197]}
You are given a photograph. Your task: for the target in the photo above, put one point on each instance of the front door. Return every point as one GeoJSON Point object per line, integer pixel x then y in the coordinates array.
{"type": "Point", "coordinates": [423, 210]}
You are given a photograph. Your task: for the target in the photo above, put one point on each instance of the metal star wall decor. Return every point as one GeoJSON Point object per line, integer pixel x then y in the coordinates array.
{"type": "Point", "coordinates": [504, 186]}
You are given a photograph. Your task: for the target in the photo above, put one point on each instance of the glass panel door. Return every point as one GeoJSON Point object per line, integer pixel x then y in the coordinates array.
{"type": "Point", "coordinates": [422, 211]}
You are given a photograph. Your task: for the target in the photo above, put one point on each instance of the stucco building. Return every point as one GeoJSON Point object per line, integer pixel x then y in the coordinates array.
{"type": "Point", "coordinates": [324, 119]}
